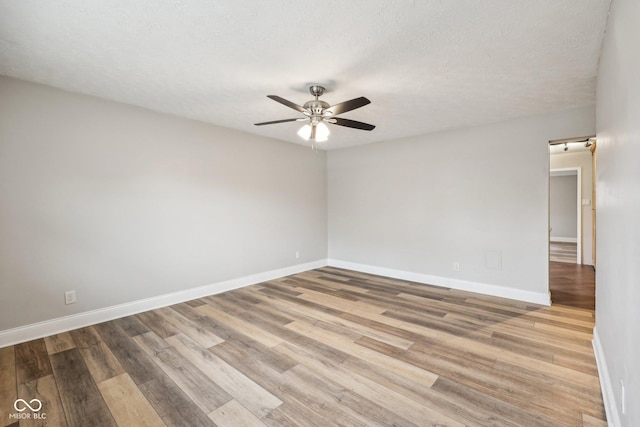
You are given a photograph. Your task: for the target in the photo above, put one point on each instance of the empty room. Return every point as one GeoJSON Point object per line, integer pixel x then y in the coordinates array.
{"type": "Point", "coordinates": [380, 213]}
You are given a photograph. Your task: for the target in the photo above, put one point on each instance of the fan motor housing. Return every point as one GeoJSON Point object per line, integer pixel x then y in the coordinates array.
{"type": "Point", "coordinates": [316, 106]}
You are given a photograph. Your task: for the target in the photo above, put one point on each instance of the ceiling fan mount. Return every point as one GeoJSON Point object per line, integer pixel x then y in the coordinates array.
{"type": "Point", "coordinates": [316, 90]}
{"type": "Point", "coordinates": [318, 112]}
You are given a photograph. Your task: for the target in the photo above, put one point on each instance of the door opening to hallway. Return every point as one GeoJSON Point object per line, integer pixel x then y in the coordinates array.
{"type": "Point", "coordinates": [571, 223]}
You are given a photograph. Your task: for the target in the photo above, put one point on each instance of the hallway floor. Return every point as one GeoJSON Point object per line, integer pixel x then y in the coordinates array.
{"type": "Point", "coordinates": [563, 252]}
{"type": "Point", "coordinates": [572, 285]}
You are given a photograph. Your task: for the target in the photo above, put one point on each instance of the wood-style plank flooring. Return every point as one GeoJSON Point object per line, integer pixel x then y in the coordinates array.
{"type": "Point", "coordinates": [563, 252]}
{"type": "Point", "coordinates": [320, 348]}
{"type": "Point", "coordinates": [572, 285]}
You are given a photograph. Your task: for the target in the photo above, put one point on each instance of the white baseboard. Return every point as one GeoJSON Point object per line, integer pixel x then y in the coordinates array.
{"type": "Point", "coordinates": [447, 282]}
{"type": "Point", "coordinates": [564, 239]}
{"type": "Point", "coordinates": [62, 324]}
{"type": "Point", "coordinates": [67, 323]}
{"type": "Point", "coordinates": [610, 406]}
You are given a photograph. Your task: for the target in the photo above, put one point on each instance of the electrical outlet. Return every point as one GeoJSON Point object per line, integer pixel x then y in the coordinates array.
{"type": "Point", "coordinates": [456, 266]}
{"type": "Point", "coordinates": [70, 297]}
{"type": "Point", "coordinates": [297, 254]}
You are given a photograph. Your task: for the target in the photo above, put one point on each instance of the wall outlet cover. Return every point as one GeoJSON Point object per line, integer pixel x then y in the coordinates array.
{"type": "Point", "coordinates": [70, 297]}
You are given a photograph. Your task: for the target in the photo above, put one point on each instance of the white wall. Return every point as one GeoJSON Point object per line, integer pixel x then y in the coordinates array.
{"type": "Point", "coordinates": [121, 203]}
{"type": "Point", "coordinates": [476, 196]}
{"type": "Point", "coordinates": [618, 212]}
{"type": "Point", "coordinates": [581, 159]}
{"type": "Point", "coordinates": [563, 209]}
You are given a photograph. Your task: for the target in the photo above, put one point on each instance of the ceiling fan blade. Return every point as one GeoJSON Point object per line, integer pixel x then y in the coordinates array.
{"type": "Point", "coordinates": [343, 107]}
{"type": "Point", "coordinates": [279, 121]}
{"type": "Point", "coordinates": [287, 103]}
{"type": "Point", "coordinates": [351, 123]}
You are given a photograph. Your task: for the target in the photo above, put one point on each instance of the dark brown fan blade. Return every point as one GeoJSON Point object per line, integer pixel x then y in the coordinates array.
{"type": "Point", "coordinates": [343, 107]}
{"type": "Point", "coordinates": [287, 103]}
{"type": "Point", "coordinates": [351, 123]}
{"type": "Point", "coordinates": [276, 121]}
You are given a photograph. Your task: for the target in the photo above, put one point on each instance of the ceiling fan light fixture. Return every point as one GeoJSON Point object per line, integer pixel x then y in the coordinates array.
{"type": "Point", "coordinates": [305, 132]}
{"type": "Point", "coordinates": [318, 113]}
{"type": "Point", "coordinates": [322, 132]}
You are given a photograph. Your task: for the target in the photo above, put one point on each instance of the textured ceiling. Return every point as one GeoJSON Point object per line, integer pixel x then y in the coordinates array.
{"type": "Point", "coordinates": [426, 65]}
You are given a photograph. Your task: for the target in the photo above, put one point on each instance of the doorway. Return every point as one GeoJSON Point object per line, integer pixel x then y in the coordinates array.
{"type": "Point", "coordinates": [565, 215]}
{"type": "Point", "coordinates": [572, 279]}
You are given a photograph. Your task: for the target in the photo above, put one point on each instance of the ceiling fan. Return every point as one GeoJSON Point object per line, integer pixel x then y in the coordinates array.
{"type": "Point", "coordinates": [317, 113]}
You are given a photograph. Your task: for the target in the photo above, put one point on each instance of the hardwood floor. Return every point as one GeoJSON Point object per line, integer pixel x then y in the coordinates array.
{"type": "Point", "coordinates": [572, 285]}
{"type": "Point", "coordinates": [324, 347]}
{"type": "Point", "coordinates": [563, 252]}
